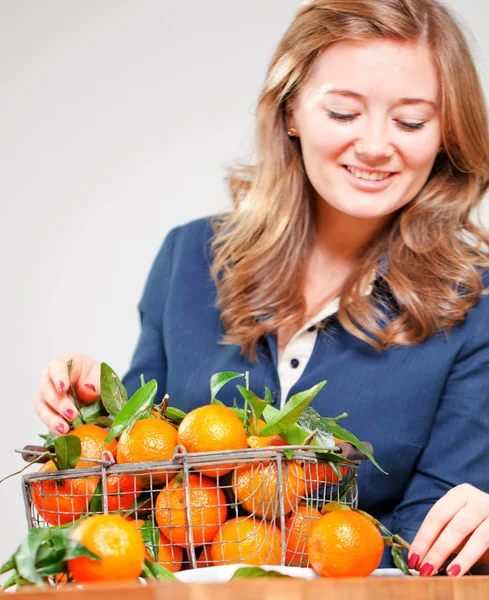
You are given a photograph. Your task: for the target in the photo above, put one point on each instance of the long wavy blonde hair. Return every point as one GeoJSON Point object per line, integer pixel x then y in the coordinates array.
{"type": "Point", "coordinates": [434, 250]}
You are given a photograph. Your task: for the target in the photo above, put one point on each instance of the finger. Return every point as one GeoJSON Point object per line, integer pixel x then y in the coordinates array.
{"type": "Point", "coordinates": [58, 372]}
{"type": "Point", "coordinates": [88, 385]}
{"type": "Point", "coordinates": [435, 521]}
{"type": "Point", "coordinates": [52, 419]}
{"type": "Point", "coordinates": [466, 521]}
{"type": "Point", "coordinates": [60, 403]}
{"type": "Point", "coordinates": [474, 549]}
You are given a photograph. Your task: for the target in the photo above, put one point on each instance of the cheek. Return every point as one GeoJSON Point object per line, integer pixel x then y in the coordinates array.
{"type": "Point", "coordinates": [325, 143]}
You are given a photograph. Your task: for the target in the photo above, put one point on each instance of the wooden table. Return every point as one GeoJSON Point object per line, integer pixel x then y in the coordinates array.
{"type": "Point", "coordinates": [407, 588]}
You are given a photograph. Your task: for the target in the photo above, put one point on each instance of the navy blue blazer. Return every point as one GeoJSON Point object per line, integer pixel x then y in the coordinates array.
{"type": "Point", "coordinates": [424, 408]}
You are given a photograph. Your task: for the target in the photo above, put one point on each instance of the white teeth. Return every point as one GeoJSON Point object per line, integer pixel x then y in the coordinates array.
{"type": "Point", "coordinates": [368, 175]}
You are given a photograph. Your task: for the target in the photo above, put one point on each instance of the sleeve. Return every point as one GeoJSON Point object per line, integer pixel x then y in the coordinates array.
{"type": "Point", "coordinates": [149, 357]}
{"type": "Point", "coordinates": [458, 448]}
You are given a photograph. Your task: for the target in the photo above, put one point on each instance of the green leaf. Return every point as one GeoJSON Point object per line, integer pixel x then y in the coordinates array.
{"type": "Point", "coordinates": [140, 501]}
{"type": "Point", "coordinates": [257, 405]}
{"type": "Point", "coordinates": [94, 409]}
{"type": "Point", "coordinates": [14, 579]}
{"type": "Point", "coordinates": [219, 380]}
{"type": "Point", "coordinates": [73, 393]}
{"type": "Point", "coordinates": [51, 569]}
{"type": "Point", "coordinates": [256, 572]}
{"type": "Point", "coordinates": [343, 434]}
{"type": "Point", "coordinates": [49, 439]}
{"type": "Point", "coordinates": [112, 391]}
{"type": "Point", "coordinates": [96, 504]}
{"type": "Point", "coordinates": [101, 421]}
{"type": "Point", "coordinates": [75, 549]}
{"type": "Point", "coordinates": [151, 538]}
{"type": "Point", "coordinates": [68, 450]}
{"type": "Point", "coordinates": [25, 557]}
{"type": "Point", "coordinates": [311, 420]}
{"type": "Point", "coordinates": [174, 414]}
{"type": "Point", "coordinates": [291, 412]}
{"type": "Point", "coordinates": [9, 565]}
{"type": "Point", "coordinates": [216, 402]}
{"type": "Point", "coordinates": [399, 561]}
{"type": "Point", "coordinates": [138, 407]}
{"type": "Point", "coordinates": [159, 572]}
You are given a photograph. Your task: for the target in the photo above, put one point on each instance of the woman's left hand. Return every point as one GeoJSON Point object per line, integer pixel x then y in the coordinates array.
{"type": "Point", "coordinates": [458, 522]}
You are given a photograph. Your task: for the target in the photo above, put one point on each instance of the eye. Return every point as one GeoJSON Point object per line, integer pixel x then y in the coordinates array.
{"type": "Point", "coordinates": [410, 126]}
{"type": "Point", "coordinates": [340, 116]}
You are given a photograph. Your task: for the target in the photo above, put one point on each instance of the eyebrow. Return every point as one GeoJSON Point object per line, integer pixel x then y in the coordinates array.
{"type": "Point", "coordinates": [408, 101]}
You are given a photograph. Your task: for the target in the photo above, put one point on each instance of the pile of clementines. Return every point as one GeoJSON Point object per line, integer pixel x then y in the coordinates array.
{"type": "Point", "coordinates": [234, 508]}
{"type": "Point", "coordinates": [231, 503]}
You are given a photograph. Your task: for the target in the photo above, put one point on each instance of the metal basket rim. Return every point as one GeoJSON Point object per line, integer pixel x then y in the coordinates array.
{"type": "Point", "coordinates": [191, 459]}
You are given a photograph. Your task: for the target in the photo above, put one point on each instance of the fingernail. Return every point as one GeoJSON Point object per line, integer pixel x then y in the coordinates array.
{"type": "Point", "coordinates": [60, 428]}
{"type": "Point", "coordinates": [426, 570]}
{"type": "Point", "coordinates": [90, 387]}
{"type": "Point", "coordinates": [413, 560]}
{"type": "Point", "coordinates": [60, 386]}
{"type": "Point", "coordinates": [69, 414]}
{"type": "Point", "coordinates": [454, 570]}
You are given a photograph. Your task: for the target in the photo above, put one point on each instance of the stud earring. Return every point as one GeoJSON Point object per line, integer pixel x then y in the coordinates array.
{"type": "Point", "coordinates": [292, 132]}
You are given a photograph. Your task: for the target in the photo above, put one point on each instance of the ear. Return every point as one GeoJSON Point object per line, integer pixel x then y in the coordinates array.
{"type": "Point", "coordinates": [291, 123]}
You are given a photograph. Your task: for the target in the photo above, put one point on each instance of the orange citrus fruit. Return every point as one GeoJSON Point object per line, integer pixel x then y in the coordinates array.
{"type": "Point", "coordinates": [204, 558]}
{"type": "Point", "coordinates": [212, 428]}
{"type": "Point", "coordinates": [170, 556]}
{"type": "Point", "coordinates": [92, 444]}
{"type": "Point", "coordinates": [116, 541]}
{"type": "Point", "coordinates": [64, 500]}
{"type": "Point", "coordinates": [246, 540]}
{"type": "Point", "coordinates": [344, 543]}
{"type": "Point", "coordinates": [122, 491]}
{"type": "Point", "coordinates": [208, 510]}
{"type": "Point", "coordinates": [257, 441]}
{"type": "Point", "coordinates": [297, 528]}
{"type": "Point", "coordinates": [321, 474]}
{"type": "Point", "coordinates": [256, 488]}
{"type": "Point", "coordinates": [148, 440]}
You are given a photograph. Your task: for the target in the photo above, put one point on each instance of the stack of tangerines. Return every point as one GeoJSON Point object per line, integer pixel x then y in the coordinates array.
{"type": "Point", "coordinates": [233, 508]}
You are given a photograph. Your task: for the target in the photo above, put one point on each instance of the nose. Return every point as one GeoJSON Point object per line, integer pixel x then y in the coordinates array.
{"type": "Point", "coordinates": [373, 143]}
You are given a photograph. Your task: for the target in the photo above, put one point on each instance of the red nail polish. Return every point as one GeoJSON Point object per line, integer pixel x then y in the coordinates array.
{"type": "Point", "coordinates": [60, 428]}
{"type": "Point", "coordinates": [60, 386]}
{"type": "Point", "coordinates": [413, 560]}
{"type": "Point", "coordinates": [69, 414]}
{"type": "Point", "coordinates": [454, 570]}
{"type": "Point", "coordinates": [90, 387]}
{"type": "Point", "coordinates": [426, 570]}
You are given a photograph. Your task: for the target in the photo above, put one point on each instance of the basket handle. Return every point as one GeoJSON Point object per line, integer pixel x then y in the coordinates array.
{"type": "Point", "coordinates": [349, 451]}
{"type": "Point", "coordinates": [30, 453]}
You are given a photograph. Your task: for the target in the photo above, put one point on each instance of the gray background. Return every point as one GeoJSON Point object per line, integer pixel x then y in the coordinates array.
{"type": "Point", "coordinates": [117, 118]}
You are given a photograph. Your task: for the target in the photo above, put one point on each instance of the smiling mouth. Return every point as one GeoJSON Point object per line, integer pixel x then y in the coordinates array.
{"type": "Point", "coordinates": [369, 175]}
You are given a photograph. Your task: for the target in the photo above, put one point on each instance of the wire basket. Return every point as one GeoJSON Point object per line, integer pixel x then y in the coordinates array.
{"type": "Point", "coordinates": [253, 506]}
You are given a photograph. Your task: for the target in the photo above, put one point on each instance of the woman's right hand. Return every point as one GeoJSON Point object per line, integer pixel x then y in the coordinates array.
{"type": "Point", "coordinates": [54, 403]}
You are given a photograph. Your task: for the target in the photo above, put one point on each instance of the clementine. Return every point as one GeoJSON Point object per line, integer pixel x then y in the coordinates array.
{"type": "Point", "coordinates": [319, 474]}
{"type": "Point", "coordinates": [256, 488]}
{"type": "Point", "coordinates": [208, 510]}
{"type": "Point", "coordinates": [116, 541]}
{"type": "Point", "coordinates": [64, 500]}
{"type": "Point", "coordinates": [212, 428]}
{"type": "Point", "coordinates": [297, 528]}
{"type": "Point", "coordinates": [148, 440]}
{"type": "Point", "coordinates": [344, 543]}
{"type": "Point", "coordinates": [246, 540]}
{"type": "Point", "coordinates": [92, 444]}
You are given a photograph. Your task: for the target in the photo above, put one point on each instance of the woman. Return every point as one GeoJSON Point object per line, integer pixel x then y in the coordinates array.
{"type": "Point", "coordinates": [349, 255]}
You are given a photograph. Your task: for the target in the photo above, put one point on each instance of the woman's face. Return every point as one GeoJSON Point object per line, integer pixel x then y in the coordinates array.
{"type": "Point", "coordinates": [369, 125]}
